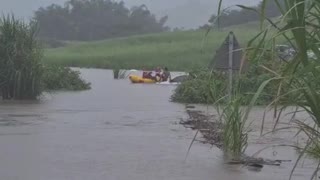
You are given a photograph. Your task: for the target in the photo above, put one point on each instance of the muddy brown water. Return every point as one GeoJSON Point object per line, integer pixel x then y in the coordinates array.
{"type": "Point", "coordinates": [120, 131]}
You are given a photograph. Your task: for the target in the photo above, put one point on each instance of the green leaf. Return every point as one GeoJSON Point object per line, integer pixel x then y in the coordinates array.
{"type": "Point", "coordinates": [263, 13]}
{"type": "Point", "coordinates": [219, 12]}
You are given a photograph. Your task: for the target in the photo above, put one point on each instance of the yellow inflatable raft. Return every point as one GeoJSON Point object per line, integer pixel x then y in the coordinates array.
{"type": "Point", "coordinates": [138, 79]}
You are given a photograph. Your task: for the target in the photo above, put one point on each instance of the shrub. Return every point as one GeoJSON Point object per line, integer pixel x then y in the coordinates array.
{"type": "Point", "coordinates": [63, 78]}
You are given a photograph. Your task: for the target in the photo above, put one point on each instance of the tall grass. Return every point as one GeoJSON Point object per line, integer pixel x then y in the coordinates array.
{"type": "Point", "coordinates": [20, 59]}
{"type": "Point", "coordinates": [299, 26]}
{"type": "Point", "coordinates": [207, 87]}
{"type": "Point", "coordinates": [235, 135]}
{"type": "Point", "coordinates": [22, 74]}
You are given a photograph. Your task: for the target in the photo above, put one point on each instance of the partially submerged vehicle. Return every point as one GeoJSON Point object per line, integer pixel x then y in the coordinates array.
{"type": "Point", "coordinates": [287, 53]}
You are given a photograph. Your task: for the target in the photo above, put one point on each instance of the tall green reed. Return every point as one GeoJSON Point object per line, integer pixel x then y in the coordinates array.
{"type": "Point", "coordinates": [235, 136]}
{"type": "Point", "coordinates": [20, 59]}
{"type": "Point", "coordinates": [299, 27]}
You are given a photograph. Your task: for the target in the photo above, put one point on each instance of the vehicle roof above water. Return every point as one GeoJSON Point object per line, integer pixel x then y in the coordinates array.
{"type": "Point", "coordinates": [282, 45]}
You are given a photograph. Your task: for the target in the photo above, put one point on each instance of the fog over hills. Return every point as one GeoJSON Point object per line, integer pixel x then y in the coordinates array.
{"type": "Point", "coordinates": [182, 13]}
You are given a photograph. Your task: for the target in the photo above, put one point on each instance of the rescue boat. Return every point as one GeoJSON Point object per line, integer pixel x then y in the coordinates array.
{"type": "Point", "coordinates": [138, 79]}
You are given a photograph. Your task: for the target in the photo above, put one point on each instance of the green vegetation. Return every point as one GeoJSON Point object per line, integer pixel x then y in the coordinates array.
{"type": "Point", "coordinates": [301, 75]}
{"type": "Point", "coordinates": [206, 87]}
{"type": "Point", "coordinates": [20, 60]}
{"type": "Point", "coordinates": [235, 136]}
{"type": "Point", "coordinates": [283, 84]}
{"type": "Point", "coordinates": [22, 74]}
{"type": "Point", "coordinates": [298, 78]}
{"type": "Point", "coordinates": [63, 78]}
{"type": "Point", "coordinates": [177, 50]}
{"type": "Point", "coordinates": [202, 87]}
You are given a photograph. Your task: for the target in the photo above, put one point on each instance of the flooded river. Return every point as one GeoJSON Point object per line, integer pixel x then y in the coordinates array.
{"type": "Point", "coordinates": [117, 131]}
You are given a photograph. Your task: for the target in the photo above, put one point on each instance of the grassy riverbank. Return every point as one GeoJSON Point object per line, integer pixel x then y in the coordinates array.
{"type": "Point", "coordinates": [178, 50]}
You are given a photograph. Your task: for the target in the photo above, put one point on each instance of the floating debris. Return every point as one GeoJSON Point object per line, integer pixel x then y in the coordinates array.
{"type": "Point", "coordinates": [211, 129]}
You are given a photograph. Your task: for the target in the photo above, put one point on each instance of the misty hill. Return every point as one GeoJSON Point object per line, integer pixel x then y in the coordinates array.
{"type": "Point", "coordinates": [103, 19]}
{"type": "Point", "coordinates": [88, 20]}
{"type": "Point", "coordinates": [182, 13]}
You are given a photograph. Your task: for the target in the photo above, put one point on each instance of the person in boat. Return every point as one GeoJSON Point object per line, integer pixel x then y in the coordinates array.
{"type": "Point", "coordinates": [158, 74]}
{"type": "Point", "coordinates": [147, 74]}
{"type": "Point", "coordinates": [166, 75]}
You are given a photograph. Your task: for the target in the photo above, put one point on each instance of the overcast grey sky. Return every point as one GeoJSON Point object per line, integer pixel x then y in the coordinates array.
{"type": "Point", "coordinates": [182, 13]}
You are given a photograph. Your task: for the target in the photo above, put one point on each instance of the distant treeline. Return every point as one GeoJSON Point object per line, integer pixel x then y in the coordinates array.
{"type": "Point", "coordinates": [237, 17]}
{"type": "Point", "coordinates": [87, 20]}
